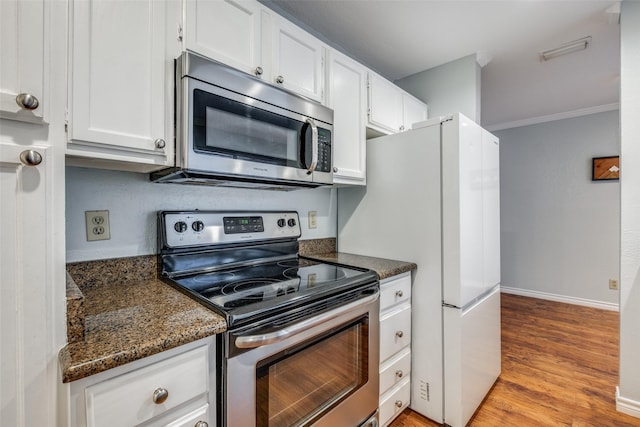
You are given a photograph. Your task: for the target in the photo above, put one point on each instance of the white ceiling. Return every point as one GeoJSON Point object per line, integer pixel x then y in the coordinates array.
{"type": "Point", "coordinates": [398, 38]}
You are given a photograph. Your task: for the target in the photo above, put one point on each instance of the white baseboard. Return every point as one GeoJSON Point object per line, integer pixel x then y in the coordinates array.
{"type": "Point", "coordinates": [627, 406]}
{"type": "Point", "coordinates": [561, 298]}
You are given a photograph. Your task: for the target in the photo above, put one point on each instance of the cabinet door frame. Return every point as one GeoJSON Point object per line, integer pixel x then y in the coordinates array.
{"type": "Point", "coordinates": [26, 287]}
{"type": "Point", "coordinates": [339, 99]}
{"type": "Point", "coordinates": [293, 78]}
{"type": "Point", "coordinates": [29, 54]}
{"type": "Point", "coordinates": [88, 140]}
{"type": "Point", "coordinates": [385, 105]}
{"type": "Point", "coordinates": [250, 56]}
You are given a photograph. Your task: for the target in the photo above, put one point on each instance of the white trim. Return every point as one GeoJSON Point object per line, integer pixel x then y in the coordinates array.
{"type": "Point", "coordinates": [561, 298]}
{"type": "Point", "coordinates": [553, 117]}
{"type": "Point", "coordinates": [627, 406]}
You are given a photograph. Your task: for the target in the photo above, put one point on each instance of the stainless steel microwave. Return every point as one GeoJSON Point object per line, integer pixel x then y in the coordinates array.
{"type": "Point", "coordinates": [233, 129]}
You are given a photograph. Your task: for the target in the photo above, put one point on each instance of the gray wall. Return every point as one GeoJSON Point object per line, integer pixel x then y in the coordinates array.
{"type": "Point", "coordinates": [449, 88]}
{"type": "Point", "coordinates": [560, 230]}
{"type": "Point", "coordinates": [133, 201]}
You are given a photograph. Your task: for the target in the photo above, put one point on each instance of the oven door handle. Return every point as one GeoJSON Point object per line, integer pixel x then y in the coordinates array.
{"type": "Point", "coordinates": [259, 340]}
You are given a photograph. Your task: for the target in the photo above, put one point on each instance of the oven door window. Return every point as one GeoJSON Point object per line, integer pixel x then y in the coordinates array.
{"type": "Point", "coordinates": [299, 385]}
{"type": "Point", "coordinates": [231, 128]}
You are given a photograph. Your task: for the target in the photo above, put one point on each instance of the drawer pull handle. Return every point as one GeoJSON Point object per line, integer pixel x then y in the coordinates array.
{"type": "Point", "coordinates": [399, 293]}
{"type": "Point", "coordinates": [399, 373]}
{"type": "Point", "coordinates": [160, 395]}
{"type": "Point", "coordinates": [399, 403]}
{"type": "Point", "coordinates": [399, 334]}
{"type": "Point", "coordinates": [201, 424]}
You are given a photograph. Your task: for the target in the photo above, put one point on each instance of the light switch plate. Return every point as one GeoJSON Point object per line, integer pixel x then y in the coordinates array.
{"type": "Point", "coordinates": [313, 219]}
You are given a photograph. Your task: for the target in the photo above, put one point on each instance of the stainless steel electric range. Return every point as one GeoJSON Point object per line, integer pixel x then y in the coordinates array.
{"type": "Point", "coordinates": [302, 341]}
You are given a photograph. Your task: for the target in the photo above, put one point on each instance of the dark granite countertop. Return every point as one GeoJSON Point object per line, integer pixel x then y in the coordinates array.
{"type": "Point", "coordinates": [384, 267]}
{"type": "Point", "coordinates": [118, 310]}
{"type": "Point", "coordinates": [128, 314]}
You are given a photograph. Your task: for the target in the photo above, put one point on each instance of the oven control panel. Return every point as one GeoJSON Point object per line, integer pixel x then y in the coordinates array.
{"type": "Point", "coordinates": [198, 228]}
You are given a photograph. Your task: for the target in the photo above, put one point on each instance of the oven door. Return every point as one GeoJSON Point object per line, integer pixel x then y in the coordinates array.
{"type": "Point", "coordinates": [228, 133]}
{"type": "Point", "coordinates": [322, 371]}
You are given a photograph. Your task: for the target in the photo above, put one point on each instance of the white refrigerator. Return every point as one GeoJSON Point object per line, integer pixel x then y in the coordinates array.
{"type": "Point", "coordinates": [433, 198]}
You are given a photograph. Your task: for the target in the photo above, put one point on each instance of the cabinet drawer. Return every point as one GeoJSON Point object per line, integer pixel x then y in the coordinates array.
{"type": "Point", "coordinates": [394, 401]}
{"type": "Point", "coordinates": [128, 398]}
{"type": "Point", "coordinates": [395, 370]}
{"type": "Point", "coordinates": [395, 331]}
{"type": "Point", "coordinates": [395, 291]}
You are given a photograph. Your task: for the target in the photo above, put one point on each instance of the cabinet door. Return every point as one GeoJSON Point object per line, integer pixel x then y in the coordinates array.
{"type": "Point", "coordinates": [25, 294]}
{"type": "Point", "coordinates": [229, 31]}
{"type": "Point", "coordinates": [298, 60]}
{"type": "Point", "coordinates": [347, 98]}
{"type": "Point", "coordinates": [413, 110]}
{"type": "Point", "coordinates": [22, 68]}
{"type": "Point", "coordinates": [119, 76]}
{"type": "Point", "coordinates": [385, 105]}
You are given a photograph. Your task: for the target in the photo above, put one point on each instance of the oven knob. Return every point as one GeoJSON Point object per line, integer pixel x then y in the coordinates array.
{"type": "Point", "coordinates": [281, 222]}
{"type": "Point", "coordinates": [180, 226]}
{"type": "Point", "coordinates": [291, 222]}
{"type": "Point", "coordinates": [197, 226]}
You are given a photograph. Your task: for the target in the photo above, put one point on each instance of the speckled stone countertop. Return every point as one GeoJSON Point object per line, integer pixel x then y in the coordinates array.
{"type": "Point", "coordinates": [129, 314]}
{"type": "Point", "coordinates": [384, 267]}
{"type": "Point", "coordinates": [118, 310]}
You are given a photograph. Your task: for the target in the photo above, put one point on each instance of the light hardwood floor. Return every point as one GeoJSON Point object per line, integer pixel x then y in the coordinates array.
{"type": "Point", "coordinates": [559, 368]}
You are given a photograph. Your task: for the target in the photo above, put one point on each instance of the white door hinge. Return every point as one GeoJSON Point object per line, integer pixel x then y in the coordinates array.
{"type": "Point", "coordinates": [179, 32]}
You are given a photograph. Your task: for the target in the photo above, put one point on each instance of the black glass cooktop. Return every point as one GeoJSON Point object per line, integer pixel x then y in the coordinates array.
{"type": "Point", "coordinates": [252, 292]}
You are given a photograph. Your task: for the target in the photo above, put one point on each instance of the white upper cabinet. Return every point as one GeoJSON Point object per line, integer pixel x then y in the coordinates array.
{"type": "Point", "coordinates": [346, 95]}
{"type": "Point", "coordinates": [248, 36]}
{"type": "Point", "coordinates": [121, 85]}
{"type": "Point", "coordinates": [298, 60]}
{"type": "Point", "coordinates": [23, 64]}
{"type": "Point", "coordinates": [391, 109]}
{"type": "Point", "coordinates": [413, 111]}
{"type": "Point", "coordinates": [385, 105]}
{"type": "Point", "coordinates": [229, 31]}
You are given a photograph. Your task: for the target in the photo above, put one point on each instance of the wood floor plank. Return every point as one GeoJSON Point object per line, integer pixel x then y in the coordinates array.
{"type": "Point", "coordinates": [559, 368]}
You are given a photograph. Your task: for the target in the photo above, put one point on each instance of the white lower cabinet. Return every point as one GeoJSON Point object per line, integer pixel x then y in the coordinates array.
{"type": "Point", "coordinates": [395, 346]}
{"type": "Point", "coordinates": [173, 388]}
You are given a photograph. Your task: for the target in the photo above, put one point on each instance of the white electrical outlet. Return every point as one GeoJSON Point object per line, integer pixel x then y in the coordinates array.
{"type": "Point", "coordinates": [97, 225]}
{"type": "Point", "coordinates": [613, 284]}
{"type": "Point", "coordinates": [313, 219]}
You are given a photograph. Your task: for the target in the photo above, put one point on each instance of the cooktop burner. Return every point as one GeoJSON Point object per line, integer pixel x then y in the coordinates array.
{"type": "Point", "coordinates": [272, 283]}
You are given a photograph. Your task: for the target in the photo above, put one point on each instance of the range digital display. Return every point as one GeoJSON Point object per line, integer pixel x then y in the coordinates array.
{"type": "Point", "coordinates": [243, 224]}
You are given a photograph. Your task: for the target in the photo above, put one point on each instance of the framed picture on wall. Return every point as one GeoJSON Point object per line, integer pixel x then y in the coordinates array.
{"type": "Point", "coordinates": [605, 168]}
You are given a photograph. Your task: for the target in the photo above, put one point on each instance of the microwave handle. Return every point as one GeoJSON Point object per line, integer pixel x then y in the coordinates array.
{"type": "Point", "coordinates": [314, 146]}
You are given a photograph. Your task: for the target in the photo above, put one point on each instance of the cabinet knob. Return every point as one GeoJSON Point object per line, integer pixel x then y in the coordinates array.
{"type": "Point", "coordinates": [399, 373]}
{"type": "Point", "coordinates": [399, 293]}
{"type": "Point", "coordinates": [160, 143]}
{"type": "Point", "coordinates": [399, 403]}
{"type": "Point", "coordinates": [160, 395]}
{"type": "Point", "coordinates": [280, 80]}
{"type": "Point", "coordinates": [201, 424]}
{"type": "Point", "coordinates": [335, 169]}
{"type": "Point", "coordinates": [401, 128]}
{"type": "Point", "coordinates": [30, 158]}
{"type": "Point", "coordinates": [399, 334]}
{"type": "Point", "coordinates": [258, 71]}
{"type": "Point", "coordinates": [27, 101]}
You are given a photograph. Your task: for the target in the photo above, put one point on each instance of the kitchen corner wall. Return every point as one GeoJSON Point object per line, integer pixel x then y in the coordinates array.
{"type": "Point", "coordinates": [449, 88]}
{"type": "Point", "coordinates": [560, 231]}
{"type": "Point", "coordinates": [132, 201]}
